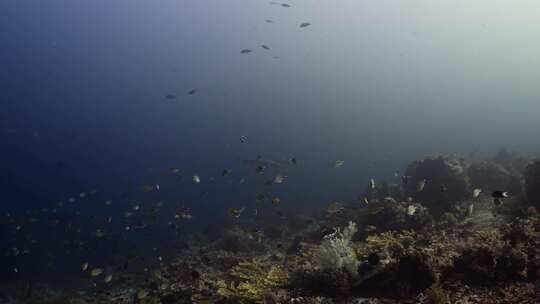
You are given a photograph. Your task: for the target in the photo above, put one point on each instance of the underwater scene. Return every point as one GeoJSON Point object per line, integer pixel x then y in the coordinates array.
{"type": "Point", "coordinates": [269, 152]}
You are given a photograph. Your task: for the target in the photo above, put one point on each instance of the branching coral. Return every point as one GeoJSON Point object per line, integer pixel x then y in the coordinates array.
{"type": "Point", "coordinates": [491, 238]}
{"type": "Point", "coordinates": [253, 281]}
{"type": "Point", "coordinates": [389, 245]}
{"type": "Point", "coordinates": [435, 295]}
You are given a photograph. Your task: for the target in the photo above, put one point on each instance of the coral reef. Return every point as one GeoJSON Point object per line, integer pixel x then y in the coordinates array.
{"type": "Point", "coordinates": [335, 252]}
{"type": "Point", "coordinates": [390, 250]}
{"type": "Point", "coordinates": [253, 282]}
{"type": "Point", "coordinates": [491, 176]}
{"type": "Point", "coordinates": [388, 215]}
{"type": "Point", "coordinates": [513, 163]}
{"type": "Point", "coordinates": [429, 175]}
{"type": "Point", "coordinates": [532, 183]}
{"type": "Point", "coordinates": [435, 295]}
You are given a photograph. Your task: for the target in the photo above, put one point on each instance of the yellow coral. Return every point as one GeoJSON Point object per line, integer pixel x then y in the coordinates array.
{"type": "Point", "coordinates": [254, 282]}
{"type": "Point", "coordinates": [435, 295]}
{"type": "Point", "coordinates": [389, 244]}
{"type": "Point", "coordinates": [489, 238]}
{"type": "Point", "coordinates": [277, 277]}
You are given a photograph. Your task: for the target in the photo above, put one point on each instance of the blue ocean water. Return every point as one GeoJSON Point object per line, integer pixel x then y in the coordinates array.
{"type": "Point", "coordinates": [95, 98]}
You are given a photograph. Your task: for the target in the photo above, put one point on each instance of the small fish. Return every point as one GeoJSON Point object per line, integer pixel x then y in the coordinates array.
{"type": "Point", "coordinates": [470, 210]}
{"type": "Point", "coordinates": [196, 179]}
{"type": "Point", "coordinates": [411, 210]}
{"type": "Point", "coordinates": [421, 185]}
{"type": "Point", "coordinates": [279, 179]}
{"type": "Point", "coordinates": [476, 192]}
{"type": "Point", "coordinates": [339, 163]}
{"type": "Point", "coordinates": [260, 169]}
{"type": "Point", "coordinates": [136, 208]}
{"type": "Point", "coordinates": [96, 272]}
{"type": "Point", "coordinates": [82, 194]}
{"type": "Point", "coordinates": [243, 139]}
{"type": "Point", "coordinates": [157, 187]}
{"type": "Point", "coordinates": [241, 181]}
{"type": "Point", "coordinates": [293, 160]}
{"type": "Point", "coordinates": [370, 228]}
{"type": "Point", "coordinates": [276, 200]}
{"type": "Point", "coordinates": [366, 201]}
{"type": "Point", "coordinates": [266, 47]}
{"type": "Point", "coordinates": [285, 5]}
{"type": "Point", "coordinates": [405, 179]}
{"type": "Point", "coordinates": [372, 184]}
{"type": "Point", "coordinates": [148, 188]}
{"type": "Point", "coordinates": [444, 188]}
{"type": "Point", "coordinates": [500, 194]}
{"type": "Point", "coordinates": [72, 200]}
{"type": "Point", "coordinates": [108, 278]}
{"type": "Point", "coordinates": [192, 92]}
{"type": "Point", "coordinates": [142, 294]}
{"type": "Point", "coordinates": [305, 24]}
{"type": "Point", "coordinates": [84, 266]}
{"type": "Point", "coordinates": [100, 233]}
{"type": "Point", "coordinates": [269, 21]}
{"type": "Point", "coordinates": [183, 213]}
{"type": "Point", "coordinates": [245, 51]}
{"type": "Point", "coordinates": [226, 172]}
{"type": "Point", "coordinates": [108, 202]}
{"type": "Point", "coordinates": [170, 96]}
{"type": "Point", "coordinates": [236, 213]}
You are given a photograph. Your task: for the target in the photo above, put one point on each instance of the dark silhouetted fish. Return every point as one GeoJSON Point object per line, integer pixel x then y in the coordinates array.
{"type": "Point", "coordinates": [500, 194]}
{"type": "Point", "coordinates": [262, 162]}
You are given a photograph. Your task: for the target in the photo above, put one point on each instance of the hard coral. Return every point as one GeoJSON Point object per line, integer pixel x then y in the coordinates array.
{"type": "Point", "coordinates": [438, 171]}
{"type": "Point", "coordinates": [511, 265]}
{"type": "Point", "coordinates": [388, 215]}
{"type": "Point", "coordinates": [491, 176]}
{"type": "Point", "coordinates": [253, 281]}
{"type": "Point", "coordinates": [404, 278]}
{"type": "Point", "coordinates": [532, 183]}
{"type": "Point", "coordinates": [388, 245]}
{"type": "Point", "coordinates": [477, 265]}
{"type": "Point", "coordinates": [435, 295]}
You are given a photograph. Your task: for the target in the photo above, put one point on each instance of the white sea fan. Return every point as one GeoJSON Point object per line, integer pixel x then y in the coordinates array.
{"type": "Point", "coordinates": [335, 251]}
